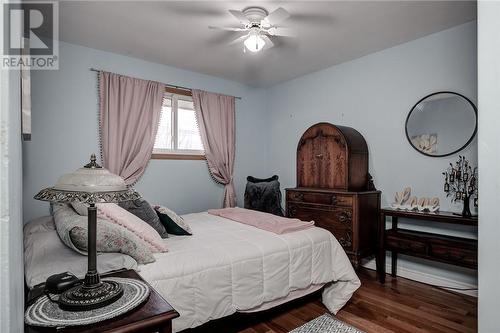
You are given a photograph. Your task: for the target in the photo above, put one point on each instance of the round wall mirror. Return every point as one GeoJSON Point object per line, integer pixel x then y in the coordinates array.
{"type": "Point", "coordinates": [441, 124]}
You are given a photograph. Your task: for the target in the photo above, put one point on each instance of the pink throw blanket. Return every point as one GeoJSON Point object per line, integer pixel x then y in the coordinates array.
{"type": "Point", "coordinates": [264, 221]}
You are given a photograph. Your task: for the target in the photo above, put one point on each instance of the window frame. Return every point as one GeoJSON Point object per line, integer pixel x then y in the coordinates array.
{"type": "Point", "coordinates": [177, 154]}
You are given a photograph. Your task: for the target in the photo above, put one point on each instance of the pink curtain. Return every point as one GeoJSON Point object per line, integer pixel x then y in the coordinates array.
{"type": "Point", "coordinates": [216, 120]}
{"type": "Point", "coordinates": [129, 114]}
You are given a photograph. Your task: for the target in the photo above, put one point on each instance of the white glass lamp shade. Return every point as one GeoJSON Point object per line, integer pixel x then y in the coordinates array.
{"type": "Point", "coordinates": [254, 43]}
{"type": "Point", "coordinates": [90, 184]}
{"type": "Point", "coordinates": [90, 180]}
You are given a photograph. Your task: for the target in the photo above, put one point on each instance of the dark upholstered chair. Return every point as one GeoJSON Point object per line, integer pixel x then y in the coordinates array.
{"type": "Point", "coordinates": [264, 195]}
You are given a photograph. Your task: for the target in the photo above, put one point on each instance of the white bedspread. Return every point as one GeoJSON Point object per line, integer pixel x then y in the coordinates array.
{"type": "Point", "coordinates": [227, 267]}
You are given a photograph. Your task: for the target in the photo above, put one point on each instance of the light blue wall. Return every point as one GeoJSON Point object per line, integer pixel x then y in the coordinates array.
{"type": "Point", "coordinates": [374, 94]}
{"type": "Point", "coordinates": [489, 157]}
{"type": "Point", "coordinates": [65, 131]}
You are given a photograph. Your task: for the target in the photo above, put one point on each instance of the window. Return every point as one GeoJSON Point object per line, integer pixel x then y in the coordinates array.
{"type": "Point", "coordinates": [178, 136]}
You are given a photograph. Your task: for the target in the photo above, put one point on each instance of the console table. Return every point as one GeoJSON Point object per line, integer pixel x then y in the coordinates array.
{"type": "Point", "coordinates": [447, 249]}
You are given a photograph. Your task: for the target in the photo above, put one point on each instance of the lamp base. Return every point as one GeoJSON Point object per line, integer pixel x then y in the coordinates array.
{"type": "Point", "coordinates": [85, 297]}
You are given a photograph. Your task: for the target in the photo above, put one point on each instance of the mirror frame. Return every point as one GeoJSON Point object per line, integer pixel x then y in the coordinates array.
{"type": "Point", "coordinates": [455, 151]}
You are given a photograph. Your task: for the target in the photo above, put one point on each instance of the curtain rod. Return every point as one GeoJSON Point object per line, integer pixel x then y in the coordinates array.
{"type": "Point", "coordinates": [167, 85]}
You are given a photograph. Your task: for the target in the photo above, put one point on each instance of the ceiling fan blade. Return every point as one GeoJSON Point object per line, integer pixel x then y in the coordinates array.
{"type": "Point", "coordinates": [278, 16]}
{"type": "Point", "coordinates": [239, 16]}
{"type": "Point", "coordinates": [226, 28]}
{"type": "Point", "coordinates": [269, 42]}
{"type": "Point", "coordinates": [239, 39]}
{"type": "Point", "coordinates": [285, 32]}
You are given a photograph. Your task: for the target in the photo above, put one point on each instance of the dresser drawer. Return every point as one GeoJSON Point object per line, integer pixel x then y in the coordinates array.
{"type": "Point", "coordinates": [336, 220]}
{"type": "Point", "coordinates": [405, 244]}
{"type": "Point", "coordinates": [452, 254]}
{"type": "Point", "coordinates": [320, 198]}
{"type": "Point", "coordinates": [342, 233]}
{"type": "Point", "coordinates": [326, 214]}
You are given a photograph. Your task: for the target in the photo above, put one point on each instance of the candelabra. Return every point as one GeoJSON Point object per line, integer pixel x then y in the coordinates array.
{"type": "Point", "coordinates": [460, 183]}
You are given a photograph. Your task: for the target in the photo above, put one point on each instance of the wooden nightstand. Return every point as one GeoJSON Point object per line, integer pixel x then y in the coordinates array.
{"type": "Point", "coordinates": [155, 315]}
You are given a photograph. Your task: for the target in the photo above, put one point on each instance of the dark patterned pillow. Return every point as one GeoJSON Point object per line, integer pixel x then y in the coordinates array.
{"type": "Point", "coordinates": [174, 224]}
{"type": "Point", "coordinates": [143, 210]}
{"type": "Point", "coordinates": [263, 195]}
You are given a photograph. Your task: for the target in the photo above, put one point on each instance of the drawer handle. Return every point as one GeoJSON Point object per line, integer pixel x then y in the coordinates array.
{"type": "Point", "coordinates": [334, 199]}
{"type": "Point", "coordinates": [319, 156]}
{"type": "Point", "coordinates": [346, 241]}
{"type": "Point", "coordinates": [298, 196]}
{"type": "Point", "coordinates": [345, 217]}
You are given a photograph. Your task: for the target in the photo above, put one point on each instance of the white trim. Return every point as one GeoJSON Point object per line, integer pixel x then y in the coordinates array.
{"type": "Point", "coordinates": [11, 220]}
{"type": "Point", "coordinates": [488, 160]}
{"type": "Point", "coordinates": [174, 119]}
{"type": "Point", "coordinates": [178, 152]}
{"type": "Point", "coordinates": [432, 279]}
{"type": "Point", "coordinates": [5, 319]}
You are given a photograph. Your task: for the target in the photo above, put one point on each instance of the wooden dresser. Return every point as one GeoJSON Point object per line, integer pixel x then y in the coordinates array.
{"type": "Point", "coordinates": [335, 189]}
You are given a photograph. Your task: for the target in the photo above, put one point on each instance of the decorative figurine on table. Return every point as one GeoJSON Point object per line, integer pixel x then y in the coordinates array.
{"type": "Point", "coordinates": [460, 183]}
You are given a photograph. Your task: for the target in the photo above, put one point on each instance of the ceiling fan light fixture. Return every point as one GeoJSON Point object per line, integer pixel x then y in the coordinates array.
{"type": "Point", "coordinates": [254, 42]}
{"type": "Point", "coordinates": [259, 26]}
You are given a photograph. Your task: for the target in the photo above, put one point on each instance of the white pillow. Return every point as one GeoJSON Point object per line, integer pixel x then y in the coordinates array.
{"type": "Point", "coordinates": [40, 224]}
{"type": "Point", "coordinates": [45, 255]}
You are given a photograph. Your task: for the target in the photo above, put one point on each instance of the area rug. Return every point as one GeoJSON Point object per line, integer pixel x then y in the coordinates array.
{"type": "Point", "coordinates": [326, 324]}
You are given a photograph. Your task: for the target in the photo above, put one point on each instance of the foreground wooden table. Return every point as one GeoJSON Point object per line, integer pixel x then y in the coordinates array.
{"type": "Point", "coordinates": [155, 315]}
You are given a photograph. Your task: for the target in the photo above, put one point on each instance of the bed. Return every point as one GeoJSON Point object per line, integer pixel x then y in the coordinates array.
{"type": "Point", "coordinates": [228, 267]}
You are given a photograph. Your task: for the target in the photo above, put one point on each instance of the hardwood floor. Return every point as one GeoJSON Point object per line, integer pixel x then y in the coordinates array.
{"type": "Point", "coordinates": [398, 306]}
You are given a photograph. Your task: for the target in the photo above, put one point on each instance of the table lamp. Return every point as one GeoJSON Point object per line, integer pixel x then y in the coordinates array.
{"type": "Point", "coordinates": [89, 185]}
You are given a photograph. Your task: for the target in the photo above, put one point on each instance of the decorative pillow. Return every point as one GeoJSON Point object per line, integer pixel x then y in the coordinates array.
{"type": "Point", "coordinates": [264, 195]}
{"type": "Point", "coordinates": [115, 214]}
{"type": "Point", "coordinates": [54, 207]}
{"type": "Point", "coordinates": [174, 224]}
{"type": "Point", "coordinates": [81, 209]}
{"type": "Point", "coordinates": [143, 210]}
{"type": "Point", "coordinates": [72, 230]}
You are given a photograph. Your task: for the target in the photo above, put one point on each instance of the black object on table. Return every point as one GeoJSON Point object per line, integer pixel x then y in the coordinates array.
{"type": "Point", "coordinates": [457, 251]}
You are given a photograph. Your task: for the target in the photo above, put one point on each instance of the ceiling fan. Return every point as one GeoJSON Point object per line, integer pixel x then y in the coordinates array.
{"type": "Point", "coordinates": [258, 25]}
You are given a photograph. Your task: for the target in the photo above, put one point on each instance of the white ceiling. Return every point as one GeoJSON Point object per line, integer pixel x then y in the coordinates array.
{"type": "Point", "coordinates": [176, 33]}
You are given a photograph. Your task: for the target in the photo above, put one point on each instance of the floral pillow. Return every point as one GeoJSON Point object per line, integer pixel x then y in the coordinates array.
{"type": "Point", "coordinates": [116, 214]}
{"type": "Point", "coordinates": [174, 224]}
{"type": "Point", "coordinates": [81, 209]}
{"type": "Point", "coordinates": [72, 229]}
